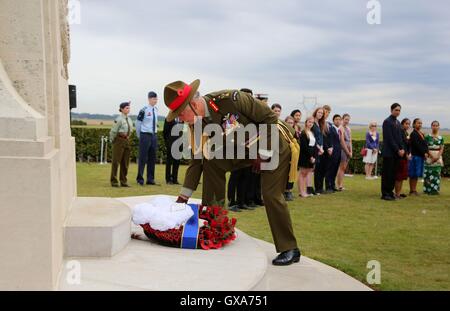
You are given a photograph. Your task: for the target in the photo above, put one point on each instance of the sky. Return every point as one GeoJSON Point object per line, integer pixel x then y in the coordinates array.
{"type": "Point", "coordinates": [289, 49]}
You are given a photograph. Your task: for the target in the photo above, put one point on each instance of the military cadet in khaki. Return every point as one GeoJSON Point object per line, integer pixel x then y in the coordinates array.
{"type": "Point", "coordinates": [120, 138]}
{"type": "Point", "coordinates": [215, 108]}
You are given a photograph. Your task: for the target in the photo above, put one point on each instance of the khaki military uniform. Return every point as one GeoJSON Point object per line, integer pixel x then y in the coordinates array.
{"type": "Point", "coordinates": [248, 111]}
{"type": "Point", "coordinates": [121, 150]}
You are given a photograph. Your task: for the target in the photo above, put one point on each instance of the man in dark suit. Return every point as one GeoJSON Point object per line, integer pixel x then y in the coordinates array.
{"type": "Point", "coordinates": [172, 164]}
{"type": "Point", "coordinates": [334, 154]}
{"type": "Point", "coordinates": [393, 150]}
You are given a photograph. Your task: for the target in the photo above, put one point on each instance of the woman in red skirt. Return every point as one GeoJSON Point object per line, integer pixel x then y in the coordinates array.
{"type": "Point", "coordinates": [402, 169]}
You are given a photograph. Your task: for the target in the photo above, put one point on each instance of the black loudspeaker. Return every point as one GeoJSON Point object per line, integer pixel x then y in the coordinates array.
{"type": "Point", "coordinates": [73, 96]}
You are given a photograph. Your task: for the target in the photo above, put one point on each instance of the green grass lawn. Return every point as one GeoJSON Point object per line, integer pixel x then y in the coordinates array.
{"type": "Point", "coordinates": [410, 238]}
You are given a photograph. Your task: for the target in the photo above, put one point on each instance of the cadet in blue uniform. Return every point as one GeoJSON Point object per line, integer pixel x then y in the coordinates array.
{"type": "Point", "coordinates": [146, 131]}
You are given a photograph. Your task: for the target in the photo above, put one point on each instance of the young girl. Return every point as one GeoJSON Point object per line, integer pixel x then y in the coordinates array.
{"type": "Point", "coordinates": [307, 158]}
{"type": "Point", "coordinates": [347, 150]}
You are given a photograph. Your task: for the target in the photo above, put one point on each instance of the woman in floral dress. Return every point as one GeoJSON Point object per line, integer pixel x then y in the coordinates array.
{"type": "Point", "coordinates": [434, 163]}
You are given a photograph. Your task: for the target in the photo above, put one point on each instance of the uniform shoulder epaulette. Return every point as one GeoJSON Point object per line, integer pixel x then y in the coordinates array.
{"type": "Point", "coordinates": [117, 119]}
{"type": "Point", "coordinates": [141, 114]}
{"type": "Point", "coordinates": [230, 94]}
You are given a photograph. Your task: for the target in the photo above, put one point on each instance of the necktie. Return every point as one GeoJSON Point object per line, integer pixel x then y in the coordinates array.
{"type": "Point", "coordinates": [128, 124]}
{"type": "Point", "coordinates": [154, 121]}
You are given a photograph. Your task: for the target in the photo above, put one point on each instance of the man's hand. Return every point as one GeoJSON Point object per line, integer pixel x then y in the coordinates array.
{"type": "Point", "coordinates": [182, 199]}
{"type": "Point", "coordinates": [330, 151]}
{"type": "Point", "coordinates": [256, 167]}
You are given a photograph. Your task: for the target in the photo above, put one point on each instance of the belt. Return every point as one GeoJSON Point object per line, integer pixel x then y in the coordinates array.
{"type": "Point", "coordinates": [144, 133]}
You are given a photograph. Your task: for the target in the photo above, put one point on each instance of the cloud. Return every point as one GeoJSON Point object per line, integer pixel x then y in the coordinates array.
{"type": "Point", "coordinates": [287, 48]}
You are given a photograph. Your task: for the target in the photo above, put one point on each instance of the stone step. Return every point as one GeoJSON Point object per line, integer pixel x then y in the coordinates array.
{"type": "Point", "coordinates": [241, 266]}
{"type": "Point", "coordinates": [308, 275]}
{"type": "Point", "coordinates": [97, 227]}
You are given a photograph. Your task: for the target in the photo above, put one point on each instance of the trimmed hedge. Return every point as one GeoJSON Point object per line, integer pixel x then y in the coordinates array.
{"type": "Point", "coordinates": [88, 149]}
{"type": "Point", "coordinates": [88, 145]}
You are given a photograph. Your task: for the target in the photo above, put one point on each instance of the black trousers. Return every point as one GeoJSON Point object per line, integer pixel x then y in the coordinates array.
{"type": "Point", "coordinates": [148, 147]}
{"type": "Point", "coordinates": [320, 172]}
{"type": "Point", "coordinates": [238, 185]}
{"type": "Point", "coordinates": [332, 171]}
{"type": "Point", "coordinates": [254, 188]}
{"type": "Point", "coordinates": [388, 176]}
{"type": "Point", "coordinates": [172, 165]}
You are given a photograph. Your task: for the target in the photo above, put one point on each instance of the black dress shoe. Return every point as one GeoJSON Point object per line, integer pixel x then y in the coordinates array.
{"type": "Point", "coordinates": [176, 183]}
{"type": "Point", "coordinates": [234, 208]}
{"type": "Point", "coordinates": [245, 207]}
{"type": "Point", "coordinates": [388, 198]}
{"type": "Point", "coordinates": [252, 205]}
{"type": "Point", "coordinates": [140, 183]}
{"type": "Point", "coordinates": [287, 258]}
{"type": "Point", "coordinates": [259, 202]}
{"type": "Point", "coordinates": [288, 196]}
{"type": "Point", "coordinates": [125, 185]}
{"type": "Point", "coordinates": [115, 185]}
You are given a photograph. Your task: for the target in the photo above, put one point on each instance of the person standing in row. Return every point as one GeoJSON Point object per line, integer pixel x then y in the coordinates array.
{"type": "Point", "coordinates": [335, 158]}
{"type": "Point", "coordinates": [419, 151]}
{"type": "Point", "coordinates": [277, 109]}
{"type": "Point", "coordinates": [434, 163]}
{"type": "Point", "coordinates": [307, 158]}
{"type": "Point", "coordinates": [393, 151]}
{"type": "Point", "coordinates": [402, 168]}
{"type": "Point", "coordinates": [318, 130]}
{"type": "Point", "coordinates": [326, 158]}
{"type": "Point", "coordinates": [120, 138]}
{"type": "Point", "coordinates": [297, 115]}
{"type": "Point", "coordinates": [345, 134]}
{"type": "Point", "coordinates": [146, 130]}
{"type": "Point", "coordinates": [172, 164]}
{"type": "Point", "coordinates": [372, 147]}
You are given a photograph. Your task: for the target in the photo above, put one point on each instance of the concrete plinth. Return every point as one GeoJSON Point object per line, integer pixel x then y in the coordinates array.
{"type": "Point", "coordinates": [97, 227]}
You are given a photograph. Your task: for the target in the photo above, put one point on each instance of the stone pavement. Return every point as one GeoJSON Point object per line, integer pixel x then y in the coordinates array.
{"type": "Point", "coordinates": [244, 265]}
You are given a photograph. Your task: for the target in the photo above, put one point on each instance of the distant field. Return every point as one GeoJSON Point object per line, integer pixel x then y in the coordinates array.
{"type": "Point", "coordinates": [359, 132]}
{"type": "Point", "coordinates": [104, 124]}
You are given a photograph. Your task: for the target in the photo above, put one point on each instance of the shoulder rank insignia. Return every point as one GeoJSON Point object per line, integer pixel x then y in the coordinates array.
{"type": "Point", "coordinates": [235, 96]}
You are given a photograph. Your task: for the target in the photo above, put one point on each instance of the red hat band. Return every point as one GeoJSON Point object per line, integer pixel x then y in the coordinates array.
{"type": "Point", "coordinates": [182, 96]}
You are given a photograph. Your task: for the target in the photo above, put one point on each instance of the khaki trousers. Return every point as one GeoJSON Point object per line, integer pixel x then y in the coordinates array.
{"type": "Point", "coordinates": [120, 157]}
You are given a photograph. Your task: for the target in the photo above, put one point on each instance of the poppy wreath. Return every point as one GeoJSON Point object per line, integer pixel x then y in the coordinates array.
{"type": "Point", "coordinates": [216, 230]}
